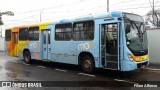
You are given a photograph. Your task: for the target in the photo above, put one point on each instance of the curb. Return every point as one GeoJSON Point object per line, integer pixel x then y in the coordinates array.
{"type": "Point", "coordinates": [154, 65]}
{"type": "Point", "coordinates": [1, 50]}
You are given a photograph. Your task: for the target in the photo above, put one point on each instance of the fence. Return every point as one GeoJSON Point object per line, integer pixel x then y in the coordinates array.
{"type": "Point", "coordinates": [1, 44]}
{"type": "Point", "coordinates": [154, 45]}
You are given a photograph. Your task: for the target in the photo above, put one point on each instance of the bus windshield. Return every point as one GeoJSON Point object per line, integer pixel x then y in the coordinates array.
{"type": "Point", "coordinates": [136, 36]}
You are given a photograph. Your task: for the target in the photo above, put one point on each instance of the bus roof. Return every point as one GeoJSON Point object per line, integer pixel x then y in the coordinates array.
{"type": "Point", "coordinates": [81, 18]}
{"type": "Point", "coordinates": [93, 17]}
{"type": "Point", "coordinates": [29, 25]}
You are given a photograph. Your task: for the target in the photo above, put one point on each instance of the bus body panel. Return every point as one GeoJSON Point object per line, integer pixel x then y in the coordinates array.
{"type": "Point", "coordinates": [33, 46]}
{"type": "Point", "coordinates": [11, 45]}
{"type": "Point", "coordinates": [69, 51]}
{"type": "Point", "coordinates": [8, 48]}
{"type": "Point", "coordinates": [126, 63]}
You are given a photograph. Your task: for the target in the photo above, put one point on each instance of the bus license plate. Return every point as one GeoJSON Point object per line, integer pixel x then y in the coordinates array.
{"type": "Point", "coordinates": [143, 66]}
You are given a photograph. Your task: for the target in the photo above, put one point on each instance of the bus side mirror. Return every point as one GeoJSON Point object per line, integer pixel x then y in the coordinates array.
{"type": "Point", "coordinates": [145, 29]}
{"type": "Point", "coordinates": [128, 28]}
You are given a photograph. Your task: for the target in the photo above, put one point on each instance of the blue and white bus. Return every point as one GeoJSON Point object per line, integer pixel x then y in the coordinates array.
{"type": "Point", "coordinates": [111, 40]}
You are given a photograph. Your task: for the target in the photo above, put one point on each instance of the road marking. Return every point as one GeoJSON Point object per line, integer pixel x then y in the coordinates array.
{"type": "Point", "coordinates": [153, 69]}
{"type": "Point", "coordinates": [124, 81]}
{"type": "Point", "coordinates": [2, 53]}
{"type": "Point", "coordinates": [14, 62]}
{"type": "Point", "coordinates": [60, 70]}
{"type": "Point", "coordinates": [87, 74]}
{"type": "Point", "coordinates": [26, 64]}
{"type": "Point", "coordinates": [41, 66]}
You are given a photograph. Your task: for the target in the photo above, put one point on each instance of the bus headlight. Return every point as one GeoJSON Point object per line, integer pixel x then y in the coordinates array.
{"type": "Point", "coordinates": [137, 58]}
{"type": "Point", "coordinates": [130, 58]}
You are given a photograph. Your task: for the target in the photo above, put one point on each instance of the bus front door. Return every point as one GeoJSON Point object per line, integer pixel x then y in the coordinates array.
{"type": "Point", "coordinates": [15, 42]}
{"type": "Point", "coordinates": [109, 46]}
{"type": "Point", "coordinates": [46, 44]}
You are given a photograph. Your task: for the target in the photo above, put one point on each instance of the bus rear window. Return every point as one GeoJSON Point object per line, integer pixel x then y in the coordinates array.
{"type": "Point", "coordinates": [8, 35]}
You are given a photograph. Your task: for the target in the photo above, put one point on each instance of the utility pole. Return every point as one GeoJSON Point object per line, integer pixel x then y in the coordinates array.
{"type": "Point", "coordinates": [153, 12]}
{"type": "Point", "coordinates": [107, 5]}
{"type": "Point", "coordinates": [40, 16]}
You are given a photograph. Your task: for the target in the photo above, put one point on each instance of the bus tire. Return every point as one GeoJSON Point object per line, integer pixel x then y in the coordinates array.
{"type": "Point", "coordinates": [88, 64]}
{"type": "Point", "coordinates": [27, 57]}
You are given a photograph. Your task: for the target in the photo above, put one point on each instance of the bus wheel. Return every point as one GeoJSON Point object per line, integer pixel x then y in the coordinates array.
{"type": "Point", "coordinates": [88, 64]}
{"type": "Point", "coordinates": [27, 57]}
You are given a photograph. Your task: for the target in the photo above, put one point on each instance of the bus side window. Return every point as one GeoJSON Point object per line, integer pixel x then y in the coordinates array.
{"type": "Point", "coordinates": [23, 34]}
{"type": "Point", "coordinates": [63, 32]}
{"type": "Point", "coordinates": [8, 35]}
{"type": "Point", "coordinates": [33, 33]}
{"type": "Point", "coordinates": [83, 30]}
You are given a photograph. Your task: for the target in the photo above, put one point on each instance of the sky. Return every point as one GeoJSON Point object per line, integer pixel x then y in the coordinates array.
{"type": "Point", "coordinates": [33, 11]}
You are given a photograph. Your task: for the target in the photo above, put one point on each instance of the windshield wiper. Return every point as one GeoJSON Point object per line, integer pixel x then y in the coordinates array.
{"type": "Point", "coordinates": [139, 32]}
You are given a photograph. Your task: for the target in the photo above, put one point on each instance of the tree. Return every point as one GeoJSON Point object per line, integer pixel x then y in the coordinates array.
{"type": "Point", "coordinates": [9, 13]}
{"type": "Point", "coordinates": [1, 22]}
{"type": "Point", "coordinates": [153, 18]}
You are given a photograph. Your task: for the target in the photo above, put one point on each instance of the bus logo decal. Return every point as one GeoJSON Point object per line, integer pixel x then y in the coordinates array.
{"type": "Point", "coordinates": [34, 45]}
{"type": "Point", "coordinates": [85, 46]}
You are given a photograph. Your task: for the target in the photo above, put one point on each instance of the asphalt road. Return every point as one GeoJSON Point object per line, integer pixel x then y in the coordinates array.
{"type": "Point", "coordinates": [71, 77]}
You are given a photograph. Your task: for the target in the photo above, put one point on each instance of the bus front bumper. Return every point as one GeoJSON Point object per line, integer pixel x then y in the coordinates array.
{"type": "Point", "coordinates": [129, 66]}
